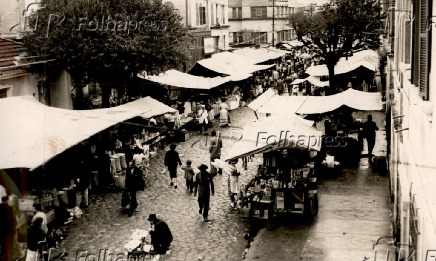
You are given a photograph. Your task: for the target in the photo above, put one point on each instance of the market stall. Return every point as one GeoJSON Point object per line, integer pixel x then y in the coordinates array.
{"type": "Point", "coordinates": [197, 87]}
{"type": "Point", "coordinates": [148, 132]}
{"type": "Point", "coordinates": [286, 181]}
{"type": "Point", "coordinates": [50, 141]}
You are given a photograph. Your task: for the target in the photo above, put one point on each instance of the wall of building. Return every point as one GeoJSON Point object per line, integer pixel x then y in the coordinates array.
{"type": "Point", "coordinates": [25, 85]}
{"type": "Point", "coordinates": [413, 140]}
{"type": "Point", "coordinates": [60, 91]}
{"type": "Point", "coordinates": [246, 22]}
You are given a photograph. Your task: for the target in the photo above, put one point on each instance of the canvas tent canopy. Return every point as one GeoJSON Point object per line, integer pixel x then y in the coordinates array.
{"type": "Point", "coordinates": [313, 80]}
{"type": "Point", "coordinates": [184, 80]}
{"type": "Point", "coordinates": [275, 133]}
{"type": "Point", "coordinates": [285, 105]}
{"type": "Point", "coordinates": [232, 64]}
{"type": "Point", "coordinates": [261, 100]}
{"type": "Point", "coordinates": [367, 59]}
{"type": "Point", "coordinates": [33, 133]}
{"type": "Point", "coordinates": [260, 55]}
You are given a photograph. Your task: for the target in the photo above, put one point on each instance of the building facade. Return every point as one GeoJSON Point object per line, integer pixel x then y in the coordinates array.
{"type": "Point", "coordinates": [260, 21]}
{"type": "Point", "coordinates": [410, 37]}
{"type": "Point", "coordinates": [207, 22]}
{"type": "Point", "coordinates": [50, 88]}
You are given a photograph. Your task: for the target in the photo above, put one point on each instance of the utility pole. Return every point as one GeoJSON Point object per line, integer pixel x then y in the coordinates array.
{"type": "Point", "coordinates": [274, 7]}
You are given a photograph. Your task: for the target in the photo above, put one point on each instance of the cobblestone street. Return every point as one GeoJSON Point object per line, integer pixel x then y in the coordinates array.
{"type": "Point", "coordinates": [104, 226]}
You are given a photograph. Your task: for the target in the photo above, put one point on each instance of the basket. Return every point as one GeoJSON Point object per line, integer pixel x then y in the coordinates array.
{"type": "Point", "coordinates": [120, 179]}
{"type": "Point", "coordinates": [63, 197]}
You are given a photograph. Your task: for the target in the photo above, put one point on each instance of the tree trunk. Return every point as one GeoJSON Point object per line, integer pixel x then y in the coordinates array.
{"type": "Point", "coordinates": [332, 80]}
{"type": "Point", "coordinates": [79, 99]}
{"type": "Point", "coordinates": [105, 95]}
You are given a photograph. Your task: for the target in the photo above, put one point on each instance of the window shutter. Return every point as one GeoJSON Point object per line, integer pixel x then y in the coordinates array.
{"type": "Point", "coordinates": [408, 27]}
{"type": "Point", "coordinates": [415, 43]}
{"type": "Point", "coordinates": [423, 50]}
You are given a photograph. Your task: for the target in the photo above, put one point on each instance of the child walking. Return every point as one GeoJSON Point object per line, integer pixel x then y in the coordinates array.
{"type": "Point", "coordinates": [189, 176]}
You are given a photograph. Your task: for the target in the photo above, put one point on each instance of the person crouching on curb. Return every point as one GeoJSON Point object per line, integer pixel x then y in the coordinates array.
{"type": "Point", "coordinates": [189, 176]}
{"type": "Point", "coordinates": [204, 183]}
{"type": "Point", "coordinates": [160, 234]}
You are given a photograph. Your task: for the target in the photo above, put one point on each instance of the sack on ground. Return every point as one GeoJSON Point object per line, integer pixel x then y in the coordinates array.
{"type": "Point", "coordinates": [125, 199]}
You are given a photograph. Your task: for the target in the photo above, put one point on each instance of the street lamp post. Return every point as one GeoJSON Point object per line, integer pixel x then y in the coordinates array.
{"type": "Point", "coordinates": [273, 22]}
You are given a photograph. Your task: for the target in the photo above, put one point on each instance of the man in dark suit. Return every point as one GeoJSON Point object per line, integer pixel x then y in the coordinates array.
{"type": "Point", "coordinates": [171, 160]}
{"type": "Point", "coordinates": [204, 186]}
{"type": "Point", "coordinates": [369, 133]}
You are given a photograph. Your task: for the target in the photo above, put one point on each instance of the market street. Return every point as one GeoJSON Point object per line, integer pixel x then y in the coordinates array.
{"type": "Point", "coordinates": [354, 212]}
{"type": "Point", "coordinates": [104, 226]}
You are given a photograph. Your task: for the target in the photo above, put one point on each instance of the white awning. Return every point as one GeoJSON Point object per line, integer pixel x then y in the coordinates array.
{"type": "Point", "coordinates": [366, 58]}
{"type": "Point", "coordinates": [33, 133]}
{"type": "Point", "coordinates": [185, 80]}
{"type": "Point", "coordinates": [313, 80]}
{"type": "Point", "coordinates": [151, 107]}
{"type": "Point", "coordinates": [261, 100]}
{"type": "Point", "coordinates": [365, 101]}
{"type": "Point", "coordinates": [295, 43]}
{"type": "Point", "coordinates": [285, 105]}
{"type": "Point", "coordinates": [275, 133]}
{"type": "Point", "coordinates": [260, 55]}
{"type": "Point", "coordinates": [232, 64]}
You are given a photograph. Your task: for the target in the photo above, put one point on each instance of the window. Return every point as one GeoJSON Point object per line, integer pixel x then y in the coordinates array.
{"type": "Point", "coordinates": [202, 15]}
{"type": "Point", "coordinates": [197, 15]}
{"type": "Point", "coordinates": [258, 12]}
{"type": "Point", "coordinates": [237, 37]}
{"type": "Point", "coordinates": [258, 38]}
{"type": "Point", "coordinates": [237, 12]}
{"type": "Point", "coordinates": [421, 55]}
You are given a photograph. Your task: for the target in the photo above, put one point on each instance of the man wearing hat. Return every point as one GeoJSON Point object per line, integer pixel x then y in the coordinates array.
{"type": "Point", "coordinates": [134, 182]}
{"type": "Point", "coordinates": [204, 184]}
{"type": "Point", "coordinates": [160, 233]}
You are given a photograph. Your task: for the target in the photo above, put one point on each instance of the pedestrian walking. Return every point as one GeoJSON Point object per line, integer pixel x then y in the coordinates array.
{"type": "Point", "coordinates": [160, 234]}
{"type": "Point", "coordinates": [187, 108]}
{"type": "Point", "coordinates": [280, 86]}
{"type": "Point", "coordinates": [189, 176]}
{"type": "Point", "coordinates": [203, 120]}
{"type": "Point", "coordinates": [275, 76]}
{"type": "Point", "coordinates": [171, 161]}
{"type": "Point", "coordinates": [224, 117]}
{"type": "Point", "coordinates": [134, 180]}
{"type": "Point", "coordinates": [204, 186]}
{"type": "Point", "coordinates": [215, 146]}
{"type": "Point", "coordinates": [369, 133]}
{"type": "Point", "coordinates": [233, 183]}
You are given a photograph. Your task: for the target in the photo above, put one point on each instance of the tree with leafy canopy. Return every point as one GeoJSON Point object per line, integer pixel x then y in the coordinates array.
{"type": "Point", "coordinates": [108, 42]}
{"type": "Point", "coordinates": [341, 28]}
